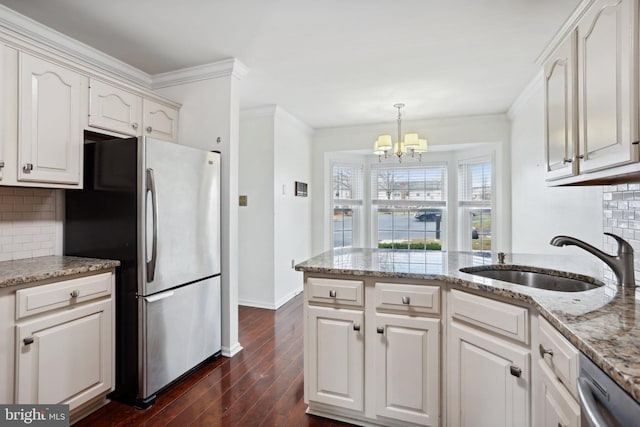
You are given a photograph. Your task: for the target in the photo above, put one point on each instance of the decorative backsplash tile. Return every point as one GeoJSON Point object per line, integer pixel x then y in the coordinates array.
{"type": "Point", "coordinates": [27, 222]}
{"type": "Point", "coordinates": [621, 216]}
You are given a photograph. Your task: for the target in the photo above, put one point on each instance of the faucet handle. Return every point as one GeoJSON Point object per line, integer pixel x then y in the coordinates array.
{"type": "Point", "coordinates": [624, 247]}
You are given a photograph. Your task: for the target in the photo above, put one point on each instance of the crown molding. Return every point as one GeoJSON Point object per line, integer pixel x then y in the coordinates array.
{"type": "Point", "coordinates": [533, 87]}
{"type": "Point", "coordinates": [293, 121]}
{"type": "Point", "coordinates": [225, 68]}
{"type": "Point", "coordinates": [263, 111]}
{"type": "Point", "coordinates": [27, 30]}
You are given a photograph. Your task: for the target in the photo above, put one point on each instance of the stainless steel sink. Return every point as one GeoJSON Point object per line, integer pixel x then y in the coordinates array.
{"type": "Point", "coordinates": [535, 279]}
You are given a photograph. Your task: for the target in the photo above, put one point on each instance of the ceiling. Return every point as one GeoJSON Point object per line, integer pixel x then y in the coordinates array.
{"type": "Point", "coordinates": [330, 62]}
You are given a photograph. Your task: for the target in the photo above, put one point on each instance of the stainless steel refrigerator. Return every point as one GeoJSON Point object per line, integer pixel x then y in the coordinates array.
{"type": "Point", "coordinates": [155, 206]}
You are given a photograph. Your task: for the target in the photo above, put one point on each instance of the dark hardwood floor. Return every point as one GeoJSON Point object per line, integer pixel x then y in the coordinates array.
{"type": "Point", "coordinates": [260, 386]}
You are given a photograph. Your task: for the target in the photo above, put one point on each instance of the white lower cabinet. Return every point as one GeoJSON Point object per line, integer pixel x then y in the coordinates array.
{"type": "Point", "coordinates": [336, 362]}
{"type": "Point", "coordinates": [408, 368]}
{"type": "Point", "coordinates": [488, 384]}
{"type": "Point", "coordinates": [397, 381]}
{"type": "Point", "coordinates": [557, 407]}
{"type": "Point", "coordinates": [58, 342]}
{"type": "Point", "coordinates": [65, 357]}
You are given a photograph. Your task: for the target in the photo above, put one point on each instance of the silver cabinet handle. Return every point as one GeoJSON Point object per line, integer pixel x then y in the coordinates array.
{"type": "Point", "coordinates": [149, 129]}
{"type": "Point", "coordinates": [515, 371]}
{"type": "Point", "coordinates": [356, 327]}
{"type": "Point", "coordinates": [28, 340]}
{"type": "Point", "coordinates": [332, 293]}
{"type": "Point", "coordinates": [380, 330]}
{"type": "Point", "coordinates": [151, 264]}
{"type": "Point", "coordinates": [589, 405]}
{"type": "Point", "coordinates": [406, 300]}
{"type": "Point", "coordinates": [134, 125]}
{"type": "Point", "coordinates": [565, 161]}
{"type": "Point", "coordinates": [544, 351]}
{"type": "Point", "coordinates": [75, 293]}
{"type": "Point", "coordinates": [28, 167]}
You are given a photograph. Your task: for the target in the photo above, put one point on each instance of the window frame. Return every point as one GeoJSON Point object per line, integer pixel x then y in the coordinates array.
{"type": "Point", "coordinates": [465, 207]}
{"type": "Point", "coordinates": [442, 204]}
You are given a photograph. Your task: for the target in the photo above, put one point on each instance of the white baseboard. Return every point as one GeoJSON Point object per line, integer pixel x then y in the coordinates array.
{"type": "Point", "coordinates": [288, 297]}
{"type": "Point", "coordinates": [270, 305]}
{"type": "Point", "coordinates": [231, 351]}
{"type": "Point", "coordinates": [257, 304]}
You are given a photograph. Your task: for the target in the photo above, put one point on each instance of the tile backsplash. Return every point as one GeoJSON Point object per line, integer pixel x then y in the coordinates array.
{"type": "Point", "coordinates": [621, 216]}
{"type": "Point", "coordinates": [27, 222]}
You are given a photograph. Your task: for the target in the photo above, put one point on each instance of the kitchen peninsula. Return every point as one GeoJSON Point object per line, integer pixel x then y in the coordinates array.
{"type": "Point", "coordinates": [410, 327]}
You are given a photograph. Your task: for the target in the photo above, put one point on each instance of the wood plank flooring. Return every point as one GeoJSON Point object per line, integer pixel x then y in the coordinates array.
{"type": "Point", "coordinates": [261, 386]}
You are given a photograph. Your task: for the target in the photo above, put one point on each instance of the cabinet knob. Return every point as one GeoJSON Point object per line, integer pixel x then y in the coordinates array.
{"type": "Point", "coordinates": [380, 330]}
{"type": "Point", "coordinates": [75, 293]}
{"type": "Point", "coordinates": [28, 167]}
{"type": "Point", "coordinates": [515, 371]}
{"type": "Point", "coordinates": [565, 161]}
{"type": "Point", "coordinates": [149, 129]}
{"type": "Point", "coordinates": [1, 164]}
{"type": "Point", "coordinates": [544, 351]}
{"type": "Point", "coordinates": [406, 300]}
{"type": "Point", "coordinates": [28, 340]}
{"type": "Point", "coordinates": [356, 327]}
{"type": "Point", "coordinates": [134, 125]}
{"type": "Point", "coordinates": [332, 293]}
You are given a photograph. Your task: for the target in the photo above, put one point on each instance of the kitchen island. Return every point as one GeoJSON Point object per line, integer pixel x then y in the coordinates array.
{"type": "Point", "coordinates": [601, 322]}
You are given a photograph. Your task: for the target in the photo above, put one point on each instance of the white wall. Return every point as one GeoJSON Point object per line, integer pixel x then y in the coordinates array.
{"type": "Point", "coordinates": [292, 214]}
{"type": "Point", "coordinates": [210, 110]}
{"type": "Point", "coordinates": [329, 143]}
{"type": "Point", "coordinates": [540, 212]}
{"type": "Point", "coordinates": [256, 227]}
{"type": "Point", "coordinates": [275, 226]}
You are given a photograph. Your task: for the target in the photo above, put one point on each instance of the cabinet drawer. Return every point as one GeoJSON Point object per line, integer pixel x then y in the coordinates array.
{"type": "Point", "coordinates": [559, 354]}
{"type": "Point", "coordinates": [61, 294]}
{"type": "Point", "coordinates": [500, 318]}
{"type": "Point", "coordinates": [410, 299]}
{"type": "Point", "coordinates": [345, 292]}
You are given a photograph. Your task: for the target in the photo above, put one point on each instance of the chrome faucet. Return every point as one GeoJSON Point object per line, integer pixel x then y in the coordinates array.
{"type": "Point", "coordinates": [622, 264]}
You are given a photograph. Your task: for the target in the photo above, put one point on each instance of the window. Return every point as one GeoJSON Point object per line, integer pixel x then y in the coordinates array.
{"type": "Point", "coordinates": [475, 187]}
{"type": "Point", "coordinates": [409, 207]}
{"type": "Point", "coordinates": [346, 204]}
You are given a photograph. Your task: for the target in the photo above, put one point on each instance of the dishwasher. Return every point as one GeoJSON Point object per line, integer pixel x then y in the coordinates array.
{"type": "Point", "coordinates": [603, 403]}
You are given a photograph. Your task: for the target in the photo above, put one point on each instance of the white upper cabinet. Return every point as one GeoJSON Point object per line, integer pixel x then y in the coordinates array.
{"type": "Point", "coordinates": [591, 96]}
{"type": "Point", "coordinates": [160, 121]}
{"type": "Point", "coordinates": [50, 111]}
{"type": "Point", "coordinates": [560, 119]}
{"type": "Point", "coordinates": [114, 109]}
{"type": "Point", "coordinates": [608, 91]}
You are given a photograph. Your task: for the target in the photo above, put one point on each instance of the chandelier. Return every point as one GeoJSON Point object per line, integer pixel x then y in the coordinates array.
{"type": "Point", "coordinates": [411, 143]}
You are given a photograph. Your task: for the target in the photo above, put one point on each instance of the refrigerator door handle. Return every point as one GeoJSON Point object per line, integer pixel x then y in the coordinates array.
{"type": "Point", "coordinates": [158, 297]}
{"type": "Point", "coordinates": [151, 263]}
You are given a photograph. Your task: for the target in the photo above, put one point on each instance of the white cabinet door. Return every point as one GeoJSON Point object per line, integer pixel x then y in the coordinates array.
{"type": "Point", "coordinates": [488, 384]}
{"type": "Point", "coordinates": [559, 408]}
{"type": "Point", "coordinates": [50, 131]}
{"type": "Point", "coordinates": [160, 121]}
{"type": "Point", "coordinates": [560, 118]}
{"type": "Point", "coordinates": [65, 357]}
{"type": "Point", "coordinates": [408, 369]}
{"type": "Point", "coordinates": [114, 109]}
{"type": "Point", "coordinates": [608, 90]}
{"type": "Point", "coordinates": [336, 356]}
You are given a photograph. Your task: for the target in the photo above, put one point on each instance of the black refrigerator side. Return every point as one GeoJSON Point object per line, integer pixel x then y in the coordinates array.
{"type": "Point", "coordinates": [101, 222]}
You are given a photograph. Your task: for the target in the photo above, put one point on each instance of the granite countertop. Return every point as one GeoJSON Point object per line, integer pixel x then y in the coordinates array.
{"type": "Point", "coordinates": [604, 323]}
{"type": "Point", "coordinates": [18, 272]}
